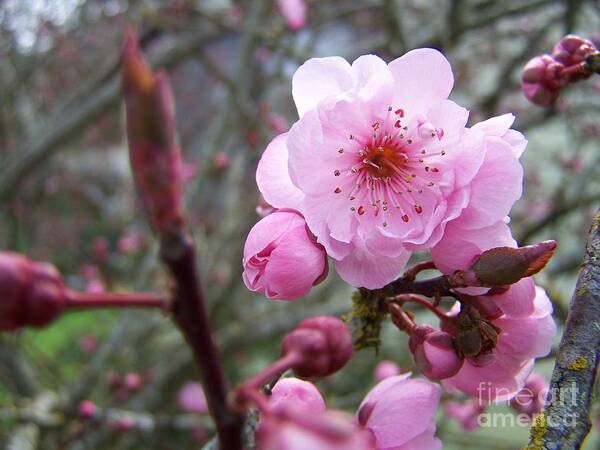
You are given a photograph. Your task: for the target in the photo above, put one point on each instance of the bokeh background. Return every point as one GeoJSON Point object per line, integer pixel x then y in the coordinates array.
{"type": "Point", "coordinates": [66, 192]}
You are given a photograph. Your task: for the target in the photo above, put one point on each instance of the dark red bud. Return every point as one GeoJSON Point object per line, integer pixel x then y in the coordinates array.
{"type": "Point", "coordinates": [325, 344]}
{"type": "Point", "coordinates": [33, 293]}
{"type": "Point", "coordinates": [154, 153]}
{"type": "Point", "coordinates": [434, 352]}
{"type": "Point", "coordinates": [505, 265]}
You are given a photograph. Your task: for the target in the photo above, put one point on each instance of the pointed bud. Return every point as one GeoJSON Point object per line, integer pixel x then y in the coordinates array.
{"type": "Point", "coordinates": [572, 50]}
{"type": "Point", "coordinates": [33, 293]}
{"type": "Point", "coordinates": [325, 344]}
{"type": "Point", "coordinates": [153, 150]}
{"type": "Point", "coordinates": [434, 352]}
{"type": "Point", "coordinates": [541, 81]}
{"type": "Point", "coordinates": [505, 265]}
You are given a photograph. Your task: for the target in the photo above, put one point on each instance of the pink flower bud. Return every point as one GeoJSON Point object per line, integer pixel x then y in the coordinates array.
{"type": "Point", "coordinates": [294, 12]}
{"type": "Point", "coordinates": [299, 430]}
{"type": "Point", "coordinates": [124, 424]}
{"type": "Point", "coordinates": [33, 293]}
{"type": "Point", "coordinates": [88, 343]}
{"type": "Point", "coordinates": [275, 249]}
{"type": "Point", "coordinates": [221, 161]}
{"type": "Point", "coordinates": [530, 400]}
{"type": "Point", "coordinates": [541, 81]}
{"type": "Point", "coordinates": [325, 344]}
{"type": "Point", "coordinates": [434, 352]}
{"type": "Point", "coordinates": [191, 398]}
{"type": "Point", "coordinates": [297, 394]}
{"type": "Point", "coordinates": [572, 50]}
{"type": "Point", "coordinates": [400, 412]}
{"type": "Point", "coordinates": [87, 409]}
{"type": "Point", "coordinates": [386, 369]}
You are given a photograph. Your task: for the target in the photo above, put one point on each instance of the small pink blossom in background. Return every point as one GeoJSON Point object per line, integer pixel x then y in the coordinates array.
{"type": "Point", "coordinates": [500, 375]}
{"type": "Point", "coordinates": [88, 343]}
{"type": "Point", "coordinates": [132, 381]}
{"type": "Point", "coordinates": [400, 413]}
{"type": "Point", "coordinates": [386, 369]}
{"type": "Point", "coordinates": [93, 279]}
{"type": "Point", "coordinates": [263, 54]}
{"type": "Point", "coordinates": [191, 398]}
{"type": "Point", "coordinates": [294, 12]}
{"type": "Point", "coordinates": [276, 248]}
{"type": "Point", "coordinates": [277, 123]}
{"type": "Point", "coordinates": [381, 161]}
{"type": "Point", "coordinates": [330, 430]}
{"type": "Point", "coordinates": [221, 161]}
{"type": "Point", "coordinates": [298, 394]}
{"type": "Point", "coordinates": [87, 409]}
{"type": "Point", "coordinates": [131, 242]}
{"type": "Point", "coordinates": [530, 400]}
{"type": "Point", "coordinates": [124, 424]}
{"type": "Point", "coordinates": [189, 171]}
{"type": "Point", "coordinates": [100, 250]}
{"type": "Point", "coordinates": [466, 413]}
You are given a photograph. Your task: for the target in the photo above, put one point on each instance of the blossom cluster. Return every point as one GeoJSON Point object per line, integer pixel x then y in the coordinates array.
{"type": "Point", "coordinates": [571, 60]}
{"type": "Point", "coordinates": [380, 165]}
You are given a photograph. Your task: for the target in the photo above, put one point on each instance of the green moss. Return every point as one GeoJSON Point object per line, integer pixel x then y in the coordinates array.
{"type": "Point", "coordinates": [365, 319]}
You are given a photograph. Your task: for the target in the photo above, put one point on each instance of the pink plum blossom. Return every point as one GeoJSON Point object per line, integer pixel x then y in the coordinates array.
{"type": "Point", "coordinates": [386, 369]}
{"type": "Point", "coordinates": [294, 12]}
{"type": "Point", "coordinates": [191, 398]}
{"type": "Point", "coordinates": [500, 373]}
{"type": "Point", "coordinates": [298, 393]}
{"type": "Point", "coordinates": [400, 412]}
{"type": "Point", "coordinates": [281, 259]}
{"type": "Point", "coordinates": [466, 413]}
{"type": "Point", "coordinates": [380, 161]}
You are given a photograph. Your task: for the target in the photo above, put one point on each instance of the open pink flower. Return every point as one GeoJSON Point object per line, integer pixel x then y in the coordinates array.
{"type": "Point", "coordinates": [381, 160]}
{"type": "Point", "coordinates": [400, 412]}
{"type": "Point", "coordinates": [501, 372]}
{"type": "Point", "coordinates": [275, 249]}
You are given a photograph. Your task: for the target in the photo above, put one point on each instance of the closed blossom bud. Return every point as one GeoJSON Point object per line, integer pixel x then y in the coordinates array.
{"type": "Point", "coordinates": [506, 265]}
{"type": "Point", "coordinates": [324, 344]}
{"type": "Point", "coordinates": [275, 249]}
{"type": "Point", "coordinates": [296, 430]}
{"type": "Point", "coordinates": [153, 150]}
{"type": "Point", "coordinates": [33, 293]}
{"type": "Point", "coordinates": [297, 393]}
{"type": "Point", "coordinates": [132, 381]}
{"type": "Point", "coordinates": [434, 352]}
{"type": "Point", "coordinates": [572, 50]}
{"type": "Point", "coordinates": [541, 81]}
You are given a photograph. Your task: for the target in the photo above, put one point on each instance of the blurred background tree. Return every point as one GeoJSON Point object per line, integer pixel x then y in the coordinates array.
{"type": "Point", "coordinates": [66, 193]}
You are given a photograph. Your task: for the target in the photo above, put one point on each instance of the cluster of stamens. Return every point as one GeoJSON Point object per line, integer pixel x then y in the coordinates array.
{"type": "Point", "coordinates": [390, 169]}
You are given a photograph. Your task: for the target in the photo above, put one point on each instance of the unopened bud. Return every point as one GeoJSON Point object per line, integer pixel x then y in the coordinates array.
{"type": "Point", "coordinates": [506, 265]}
{"type": "Point", "coordinates": [572, 50]}
{"type": "Point", "coordinates": [434, 352]}
{"type": "Point", "coordinates": [154, 153]}
{"type": "Point", "coordinates": [133, 381]}
{"type": "Point", "coordinates": [541, 81]}
{"type": "Point", "coordinates": [323, 342]}
{"type": "Point", "coordinates": [33, 293]}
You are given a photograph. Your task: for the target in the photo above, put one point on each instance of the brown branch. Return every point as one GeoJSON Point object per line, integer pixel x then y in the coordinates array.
{"type": "Point", "coordinates": [189, 312]}
{"type": "Point", "coordinates": [565, 421]}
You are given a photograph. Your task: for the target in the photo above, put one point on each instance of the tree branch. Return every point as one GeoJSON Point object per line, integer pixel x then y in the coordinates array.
{"type": "Point", "coordinates": [565, 421]}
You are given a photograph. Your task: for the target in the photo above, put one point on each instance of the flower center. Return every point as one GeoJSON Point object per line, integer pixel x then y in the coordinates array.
{"type": "Point", "coordinates": [384, 162]}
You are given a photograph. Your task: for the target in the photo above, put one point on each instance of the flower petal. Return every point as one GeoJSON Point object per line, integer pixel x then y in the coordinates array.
{"type": "Point", "coordinates": [319, 78]}
{"type": "Point", "coordinates": [273, 178]}
{"type": "Point", "coordinates": [422, 77]}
